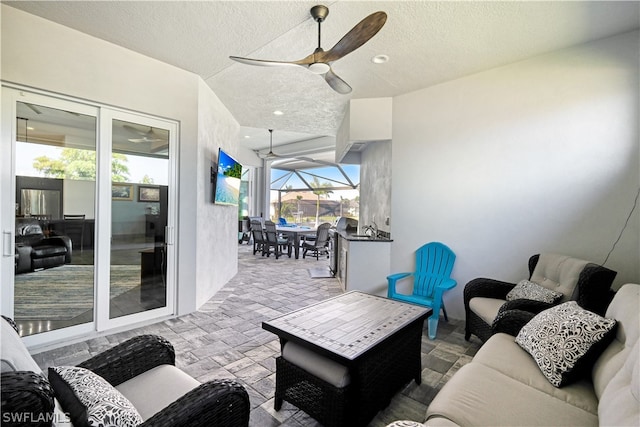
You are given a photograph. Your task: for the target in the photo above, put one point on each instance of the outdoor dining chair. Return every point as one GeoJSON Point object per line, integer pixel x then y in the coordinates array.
{"type": "Point", "coordinates": [257, 234]}
{"type": "Point", "coordinates": [274, 241]}
{"type": "Point", "coordinates": [321, 243]}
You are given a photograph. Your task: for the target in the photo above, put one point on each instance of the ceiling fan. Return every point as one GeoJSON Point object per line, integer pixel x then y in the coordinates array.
{"type": "Point", "coordinates": [319, 61]}
{"type": "Point", "coordinates": [149, 136]}
{"type": "Point", "coordinates": [270, 155]}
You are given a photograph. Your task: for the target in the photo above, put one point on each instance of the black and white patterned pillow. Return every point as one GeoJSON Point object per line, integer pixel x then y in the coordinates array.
{"type": "Point", "coordinates": [527, 289]}
{"type": "Point", "coordinates": [90, 400]}
{"type": "Point", "coordinates": [565, 341]}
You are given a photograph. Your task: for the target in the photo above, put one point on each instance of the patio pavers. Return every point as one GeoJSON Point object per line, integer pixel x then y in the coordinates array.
{"type": "Point", "coordinates": [225, 339]}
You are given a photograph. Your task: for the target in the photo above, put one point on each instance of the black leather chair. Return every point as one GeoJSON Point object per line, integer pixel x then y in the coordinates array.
{"type": "Point", "coordinates": [488, 311]}
{"type": "Point", "coordinates": [34, 250]}
{"type": "Point", "coordinates": [74, 228]}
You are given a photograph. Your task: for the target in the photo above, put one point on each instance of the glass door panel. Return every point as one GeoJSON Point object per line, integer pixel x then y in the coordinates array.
{"type": "Point", "coordinates": [55, 172]}
{"type": "Point", "coordinates": [139, 211]}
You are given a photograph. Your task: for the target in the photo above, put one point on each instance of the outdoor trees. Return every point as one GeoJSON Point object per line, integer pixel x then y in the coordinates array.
{"type": "Point", "coordinates": [319, 190]}
{"type": "Point", "coordinates": [80, 164]}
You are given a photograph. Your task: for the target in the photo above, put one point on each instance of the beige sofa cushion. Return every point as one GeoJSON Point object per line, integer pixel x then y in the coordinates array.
{"type": "Point", "coordinates": [15, 357]}
{"type": "Point", "coordinates": [501, 353]}
{"type": "Point", "coordinates": [559, 273]}
{"type": "Point", "coordinates": [624, 308]}
{"type": "Point", "coordinates": [620, 403]}
{"type": "Point", "coordinates": [13, 353]}
{"type": "Point", "coordinates": [479, 395]}
{"type": "Point", "coordinates": [157, 388]}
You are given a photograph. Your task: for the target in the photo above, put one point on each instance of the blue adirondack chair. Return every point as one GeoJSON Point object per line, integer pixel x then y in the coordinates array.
{"type": "Point", "coordinates": [434, 262]}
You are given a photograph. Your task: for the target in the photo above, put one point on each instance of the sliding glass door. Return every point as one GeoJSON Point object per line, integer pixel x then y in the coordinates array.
{"type": "Point", "coordinates": [55, 176]}
{"type": "Point", "coordinates": [139, 213]}
{"type": "Point", "coordinates": [87, 216]}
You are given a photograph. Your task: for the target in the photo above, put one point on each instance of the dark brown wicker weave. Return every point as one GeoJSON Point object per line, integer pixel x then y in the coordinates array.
{"type": "Point", "coordinates": [328, 404]}
{"type": "Point", "coordinates": [592, 292]}
{"type": "Point", "coordinates": [511, 321]}
{"type": "Point", "coordinates": [215, 403]}
{"type": "Point", "coordinates": [27, 399]}
{"type": "Point", "coordinates": [222, 403]}
{"type": "Point", "coordinates": [131, 358]}
{"type": "Point", "coordinates": [375, 378]}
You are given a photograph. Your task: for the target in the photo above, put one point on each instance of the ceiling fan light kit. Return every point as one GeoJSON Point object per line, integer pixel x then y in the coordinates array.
{"type": "Point", "coordinates": [319, 62]}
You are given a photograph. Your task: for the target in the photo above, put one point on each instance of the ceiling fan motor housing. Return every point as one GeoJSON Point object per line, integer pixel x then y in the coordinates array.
{"type": "Point", "coordinates": [319, 12]}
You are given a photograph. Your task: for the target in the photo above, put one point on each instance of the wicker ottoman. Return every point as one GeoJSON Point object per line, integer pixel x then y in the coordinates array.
{"type": "Point", "coordinates": [313, 383]}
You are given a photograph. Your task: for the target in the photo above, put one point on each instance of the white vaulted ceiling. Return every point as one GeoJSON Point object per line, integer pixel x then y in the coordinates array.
{"type": "Point", "coordinates": [427, 42]}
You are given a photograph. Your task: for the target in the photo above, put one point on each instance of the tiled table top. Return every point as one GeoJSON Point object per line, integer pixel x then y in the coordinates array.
{"type": "Point", "coordinates": [347, 325]}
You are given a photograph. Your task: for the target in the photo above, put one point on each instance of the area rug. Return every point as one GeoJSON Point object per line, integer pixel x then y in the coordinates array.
{"type": "Point", "coordinates": [62, 293]}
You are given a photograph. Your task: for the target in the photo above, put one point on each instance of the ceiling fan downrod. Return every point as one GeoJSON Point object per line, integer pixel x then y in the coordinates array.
{"type": "Point", "coordinates": [319, 13]}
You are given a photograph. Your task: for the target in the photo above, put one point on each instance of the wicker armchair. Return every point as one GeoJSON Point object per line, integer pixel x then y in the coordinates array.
{"type": "Point", "coordinates": [488, 311]}
{"type": "Point", "coordinates": [217, 402]}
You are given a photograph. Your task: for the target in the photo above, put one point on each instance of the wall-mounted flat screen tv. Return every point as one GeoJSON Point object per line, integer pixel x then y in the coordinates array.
{"type": "Point", "coordinates": [227, 185]}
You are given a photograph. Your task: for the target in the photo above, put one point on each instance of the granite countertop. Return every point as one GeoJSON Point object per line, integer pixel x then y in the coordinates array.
{"type": "Point", "coordinates": [355, 237]}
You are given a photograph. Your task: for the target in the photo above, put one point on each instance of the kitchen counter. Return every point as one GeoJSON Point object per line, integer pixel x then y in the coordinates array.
{"type": "Point", "coordinates": [354, 237]}
{"type": "Point", "coordinates": [363, 262]}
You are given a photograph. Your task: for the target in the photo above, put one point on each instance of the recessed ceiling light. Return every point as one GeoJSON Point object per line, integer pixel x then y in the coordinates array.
{"type": "Point", "coordinates": [247, 136]}
{"type": "Point", "coordinates": [380, 59]}
{"type": "Point", "coordinates": [278, 113]}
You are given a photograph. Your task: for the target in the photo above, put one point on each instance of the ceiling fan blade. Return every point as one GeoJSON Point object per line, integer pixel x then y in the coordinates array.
{"type": "Point", "coordinates": [267, 63]}
{"type": "Point", "coordinates": [359, 35]}
{"type": "Point", "coordinates": [337, 83]}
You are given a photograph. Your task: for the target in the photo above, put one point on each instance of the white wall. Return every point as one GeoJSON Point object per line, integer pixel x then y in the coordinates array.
{"type": "Point", "coordinates": [48, 56]}
{"type": "Point", "coordinates": [217, 225]}
{"type": "Point", "coordinates": [79, 197]}
{"type": "Point", "coordinates": [541, 155]}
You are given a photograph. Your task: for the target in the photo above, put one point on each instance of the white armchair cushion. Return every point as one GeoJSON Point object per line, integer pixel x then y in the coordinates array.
{"type": "Point", "coordinates": [157, 388]}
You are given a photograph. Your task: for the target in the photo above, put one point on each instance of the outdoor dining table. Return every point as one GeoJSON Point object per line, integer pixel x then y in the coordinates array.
{"type": "Point", "coordinates": [295, 232]}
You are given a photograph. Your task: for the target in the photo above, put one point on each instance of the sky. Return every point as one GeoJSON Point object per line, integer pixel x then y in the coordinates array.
{"type": "Point", "coordinates": [139, 166]}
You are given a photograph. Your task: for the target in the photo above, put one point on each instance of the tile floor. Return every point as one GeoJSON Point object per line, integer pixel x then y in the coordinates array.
{"type": "Point", "coordinates": [224, 339]}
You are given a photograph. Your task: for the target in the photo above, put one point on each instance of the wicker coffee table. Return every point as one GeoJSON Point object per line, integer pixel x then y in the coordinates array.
{"type": "Point", "coordinates": [377, 339]}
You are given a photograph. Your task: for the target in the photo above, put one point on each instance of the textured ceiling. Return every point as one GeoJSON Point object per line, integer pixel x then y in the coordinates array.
{"type": "Point", "coordinates": [427, 42]}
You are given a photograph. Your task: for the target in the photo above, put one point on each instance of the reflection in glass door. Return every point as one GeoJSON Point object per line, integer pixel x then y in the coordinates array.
{"type": "Point", "coordinates": [55, 168]}
{"type": "Point", "coordinates": [139, 207]}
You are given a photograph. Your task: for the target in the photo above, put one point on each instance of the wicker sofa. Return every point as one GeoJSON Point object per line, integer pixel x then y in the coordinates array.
{"type": "Point", "coordinates": [503, 385]}
{"type": "Point", "coordinates": [141, 369]}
